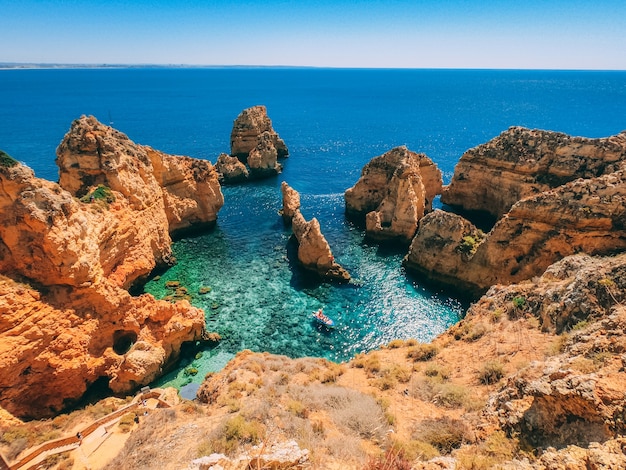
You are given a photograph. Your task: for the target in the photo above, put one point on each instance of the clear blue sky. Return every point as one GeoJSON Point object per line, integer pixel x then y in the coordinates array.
{"type": "Point", "coordinates": [562, 34]}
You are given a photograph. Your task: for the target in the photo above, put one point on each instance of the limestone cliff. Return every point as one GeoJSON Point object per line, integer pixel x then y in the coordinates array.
{"type": "Point", "coordinates": [185, 190]}
{"type": "Point", "coordinates": [584, 215]}
{"type": "Point", "coordinates": [67, 318]}
{"type": "Point", "coordinates": [313, 250]}
{"type": "Point", "coordinates": [521, 162]}
{"type": "Point", "coordinates": [254, 142]}
{"type": "Point", "coordinates": [393, 193]}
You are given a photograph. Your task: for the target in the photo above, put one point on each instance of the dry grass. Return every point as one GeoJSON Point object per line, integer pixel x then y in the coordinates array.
{"type": "Point", "coordinates": [491, 372]}
{"type": "Point", "coordinates": [445, 434]}
{"type": "Point", "coordinates": [422, 352]}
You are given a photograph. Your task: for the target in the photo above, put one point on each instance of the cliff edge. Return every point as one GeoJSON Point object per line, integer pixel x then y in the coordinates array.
{"type": "Point", "coordinates": [70, 251]}
{"type": "Point", "coordinates": [586, 214]}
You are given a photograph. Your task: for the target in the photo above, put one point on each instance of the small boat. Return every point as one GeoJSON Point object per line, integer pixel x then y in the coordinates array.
{"type": "Point", "coordinates": [322, 319]}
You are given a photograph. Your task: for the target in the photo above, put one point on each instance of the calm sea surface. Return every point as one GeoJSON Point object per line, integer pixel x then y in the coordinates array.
{"type": "Point", "coordinates": [333, 121]}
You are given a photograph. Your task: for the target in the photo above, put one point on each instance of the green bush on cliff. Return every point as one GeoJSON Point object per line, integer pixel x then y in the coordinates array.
{"type": "Point", "coordinates": [101, 193]}
{"type": "Point", "coordinates": [470, 243]}
{"type": "Point", "coordinates": [7, 161]}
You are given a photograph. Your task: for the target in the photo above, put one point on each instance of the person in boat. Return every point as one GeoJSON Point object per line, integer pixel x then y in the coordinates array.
{"type": "Point", "coordinates": [323, 318]}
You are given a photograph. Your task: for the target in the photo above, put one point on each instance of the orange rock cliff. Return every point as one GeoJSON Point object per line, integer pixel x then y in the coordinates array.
{"type": "Point", "coordinates": [70, 251]}
{"type": "Point", "coordinates": [554, 196]}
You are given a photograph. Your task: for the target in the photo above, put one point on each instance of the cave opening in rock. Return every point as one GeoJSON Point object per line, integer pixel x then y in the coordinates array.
{"type": "Point", "coordinates": [123, 341]}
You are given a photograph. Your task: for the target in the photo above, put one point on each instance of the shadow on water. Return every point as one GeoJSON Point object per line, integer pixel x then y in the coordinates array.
{"type": "Point", "coordinates": [301, 279]}
{"type": "Point", "coordinates": [433, 288]}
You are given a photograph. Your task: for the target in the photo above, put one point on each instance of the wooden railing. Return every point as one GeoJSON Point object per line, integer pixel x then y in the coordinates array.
{"type": "Point", "coordinates": [66, 441]}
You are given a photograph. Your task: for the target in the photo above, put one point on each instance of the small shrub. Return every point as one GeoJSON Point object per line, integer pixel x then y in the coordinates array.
{"type": "Point", "coordinates": [126, 422]}
{"type": "Point", "coordinates": [491, 372]}
{"type": "Point", "coordinates": [233, 405]}
{"type": "Point", "coordinates": [395, 344]}
{"type": "Point", "coordinates": [518, 301]}
{"type": "Point", "coordinates": [297, 408]}
{"type": "Point", "coordinates": [358, 361]}
{"type": "Point", "coordinates": [372, 365]}
{"type": "Point", "coordinates": [422, 352]}
{"type": "Point", "coordinates": [584, 365]}
{"type": "Point", "coordinates": [559, 345]}
{"type": "Point", "coordinates": [496, 315]}
{"type": "Point", "coordinates": [332, 373]}
{"type": "Point", "coordinates": [435, 370]}
{"type": "Point", "coordinates": [451, 396]}
{"type": "Point", "coordinates": [468, 245]}
{"type": "Point", "coordinates": [393, 459]}
{"type": "Point", "coordinates": [445, 434]}
{"type": "Point", "coordinates": [6, 161]}
{"type": "Point", "coordinates": [415, 450]}
{"type": "Point", "coordinates": [581, 325]}
{"type": "Point", "coordinates": [386, 382]}
{"type": "Point", "coordinates": [498, 445]}
{"type": "Point", "coordinates": [233, 433]}
{"type": "Point", "coordinates": [101, 193]}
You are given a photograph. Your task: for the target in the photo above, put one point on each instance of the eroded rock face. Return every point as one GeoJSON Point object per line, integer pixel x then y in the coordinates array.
{"type": "Point", "coordinates": [393, 193]}
{"type": "Point", "coordinates": [254, 142]}
{"type": "Point", "coordinates": [53, 345]}
{"type": "Point", "coordinates": [231, 169]}
{"type": "Point", "coordinates": [582, 216]}
{"type": "Point", "coordinates": [313, 250]}
{"type": "Point", "coordinates": [291, 202]}
{"type": "Point", "coordinates": [522, 162]}
{"type": "Point", "coordinates": [75, 322]}
{"type": "Point", "coordinates": [578, 395]}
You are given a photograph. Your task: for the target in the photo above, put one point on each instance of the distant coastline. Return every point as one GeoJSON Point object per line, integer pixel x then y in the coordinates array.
{"type": "Point", "coordinates": [61, 66]}
{"type": "Point", "coordinates": [30, 66]}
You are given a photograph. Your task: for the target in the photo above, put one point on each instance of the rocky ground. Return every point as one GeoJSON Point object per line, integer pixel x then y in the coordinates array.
{"type": "Point", "coordinates": [533, 377]}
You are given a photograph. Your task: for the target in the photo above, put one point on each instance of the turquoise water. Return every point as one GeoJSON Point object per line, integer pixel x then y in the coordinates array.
{"type": "Point", "coordinates": [261, 300]}
{"type": "Point", "coordinates": [333, 121]}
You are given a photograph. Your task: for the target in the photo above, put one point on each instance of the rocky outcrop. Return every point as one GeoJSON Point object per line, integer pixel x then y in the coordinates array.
{"type": "Point", "coordinates": [185, 190]}
{"type": "Point", "coordinates": [582, 216]}
{"type": "Point", "coordinates": [394, 192]}
{"type": "Point", "coordinates": [254, 142]}
{"type": "Point", "coordinates": [313, 250]}
{"type": "Point", "coordinates": [72, 322]}
{"type": "Point", "coordinates": [278, 456]}
{"type": "Point", "coordinates": [521, 162]}
{"type": "Point", "coordinates": [576, 396]}
{"type": "Point", "coordinates": [291, 202]}
{"type": "Point", "coordinates": [230, 169]}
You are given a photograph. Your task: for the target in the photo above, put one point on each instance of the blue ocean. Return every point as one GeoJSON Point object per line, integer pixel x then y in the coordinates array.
{"type": "Point", "coordinates": [333, 122]}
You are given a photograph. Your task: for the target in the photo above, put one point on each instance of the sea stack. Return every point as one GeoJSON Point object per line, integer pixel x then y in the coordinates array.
{"type": "Point", "coordinates": [313, 250]}
{"type": "Point", "coordinates": [256, 144]}
{"type": "Point", "coordinates": [394, 192]}
{"type": "Point", "coordinates": [81, 244]}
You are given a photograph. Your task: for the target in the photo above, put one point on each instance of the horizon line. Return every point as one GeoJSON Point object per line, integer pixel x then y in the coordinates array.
{"type": "Point", "coordinates": [104, 65]}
